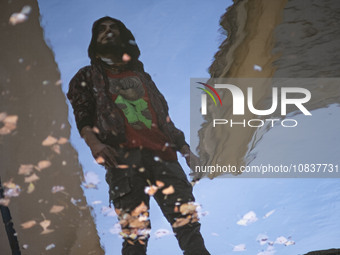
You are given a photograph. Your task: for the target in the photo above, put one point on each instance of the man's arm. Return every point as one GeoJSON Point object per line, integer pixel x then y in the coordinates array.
{"type": "Point", "coordinates": [83, 103]}
{"type": "Point", "coordinates": [81, 98]}
{"type": "Point", "coordinates": [176, 134]}
{"type": "Point", "coordinates": [104, 154]}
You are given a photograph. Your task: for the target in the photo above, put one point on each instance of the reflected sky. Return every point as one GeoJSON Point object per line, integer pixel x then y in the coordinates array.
{"type": "Point", "coordinates": [178, 40]}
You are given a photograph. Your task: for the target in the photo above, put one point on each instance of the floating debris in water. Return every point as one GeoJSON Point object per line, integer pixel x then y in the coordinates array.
{"type": "Point", "coordinates": [49, 141]}
{"type": "Point", "coordinates": [283, 240]}
{"type": "Point", "coordinates": [50, 247]}
{"type": "Point", "coordinates": [31, 178]}
{"type": "Point", "coordinates": [181, 222]}
{"type": "Point", "coordinates": [116, 229]}
{"type": "Point", "coordinates": [9, 123]}
{"type": "Point", "coordinates": [239, 247]}
{"type": "Point", "coordinates": [157, 158]}
{"type": "Point", "coordinates": [28, 224]}
{"type": "Point", "coordinates": [162, 232]}
{"type": "Point", "coordinates": [262, 239]}
{"type": "Point", "coordinates": [56, 189]}
{"type": "Point", "coordinates": [159, 184]}
{"type": "Point", "coordinates": [169, 190]}
{"type": "Point", "coordinates": [100, 160]}
{"type": "Point", "coordinates": [150, 190]}
{"type": "Point", "coordinates": [58, 82]}
{"type": "Point", "coordinates": [123, 166]}
{"type": "Point", "coordinates": [4, 201]}
{"type": "Point", "coordinates": [62, 140]}
{"type": "Point", "coordinates": [45, 224]}
{"type": "Point", "coordinates": [75, 201]}
{"type": "Point", "coordinates": [132, 42]}
{"type": "Point", "coordinates": [91, 180]}
{"type": "Point", "coordinates": [25, 169]}
{"type": "Point", "coordinates": [126, 57]}
{"type": "Point", "coordinates": [257, 68]}
{"type": "Point", "coordinates": [57, 208]}
{"type": "Point", "coordinates": [107, 211]}
{"type": "Point", "coordinates": [56, 148]}
{"type": "Point", "coordinates": [11, 189]}
{"type": "Point", "coordinates": [166, 145]}
{"type": "Point", "coordinates": [268, 214]}
{"type": "Point", "coordinates": [43, 164]}
{"type": "Point", "coordinates": [30, 188]}
{"type": "Point", "coordinates": [17, 18]}
{"type": "Point", "coordinates": [45, 82]}
{"type": "Point", "coordinates": [247, 219]}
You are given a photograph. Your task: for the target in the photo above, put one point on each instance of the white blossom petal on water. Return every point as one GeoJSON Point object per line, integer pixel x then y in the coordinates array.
{"type": "Point", "coordinates": [75, 201]}
{"type": "Point", "coordinates": [12, 191]}
{"type": "Point", "coordinates": [281, 240]}
{"type": "Point", "coordinates": [248, 219]}
{"type": "Point", "coordinates": [289, 242]}
{"type": "Point", "coordinates": [257, 68]}
{"type": "Point", "coordinates": [268, 214]}
{"type": "Point", "coordinates": [150, 190]}
{"type": "Point", "coordinates": [116, 229]}
{"type": "Point", "coordinates": [17, 18]}
{"type": "Point", "coordinates": [26, 9]}
{"type": "Point", "coordinates": [162, 232]}
{"type": "Point", "coordinates": [285, 241]}
{"type": "Point", "coordinates": [108, 211]}
{"type": "Point", "coordinates": [56, 189]}
{"type": "Point", "coordinates": [262, 239]}
{"type": "Point", "coordinates": [239, 247]}
{"type": "Point", "coordinates": [50, 247]}
{"type": "Point", "coordinates": [91, 180]}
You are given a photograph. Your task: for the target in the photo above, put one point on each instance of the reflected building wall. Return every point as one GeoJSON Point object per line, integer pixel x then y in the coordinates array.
{"type": "Point", "coordinates": [34, 139]}
{"type": "Point", "coordinates": [270, 39]}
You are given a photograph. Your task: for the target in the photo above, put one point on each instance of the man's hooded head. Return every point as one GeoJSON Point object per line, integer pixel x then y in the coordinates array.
{"type": "Point", "coordinates": [125, 45]}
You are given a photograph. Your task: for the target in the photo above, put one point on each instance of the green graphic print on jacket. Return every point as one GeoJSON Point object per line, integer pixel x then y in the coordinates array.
{"type": "Point", "coordinates": [133, 110]}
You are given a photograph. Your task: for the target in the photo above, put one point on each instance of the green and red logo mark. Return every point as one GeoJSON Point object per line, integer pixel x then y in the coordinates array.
{"type": "Point", "coordinates": [204, 97]}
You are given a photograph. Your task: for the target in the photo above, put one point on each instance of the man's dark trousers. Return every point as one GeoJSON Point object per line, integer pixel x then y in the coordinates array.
{"type": "Point", "coordinates": [139, 169]}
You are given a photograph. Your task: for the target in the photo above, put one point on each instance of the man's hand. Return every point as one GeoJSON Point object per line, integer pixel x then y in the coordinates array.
{"type": "Point", "coordinates": [192, 161]}
{"type": "Point", "coordinates": [104, 154]}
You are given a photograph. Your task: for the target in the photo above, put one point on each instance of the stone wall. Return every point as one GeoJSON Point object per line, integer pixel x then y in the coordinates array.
{"type": "Point", "coordinates": [270, 39]}
{"type": "Point", "coordinates": [35, 153]}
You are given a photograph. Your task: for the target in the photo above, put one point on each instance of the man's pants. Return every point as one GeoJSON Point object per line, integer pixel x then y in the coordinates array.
{"type": "Point", "coordinates": [140, 175]}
